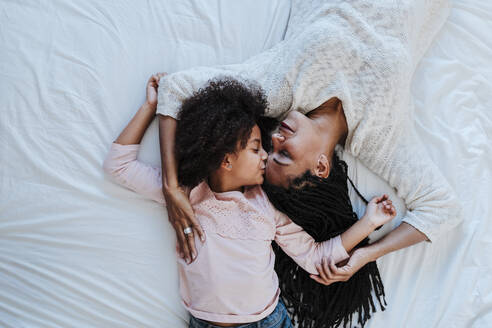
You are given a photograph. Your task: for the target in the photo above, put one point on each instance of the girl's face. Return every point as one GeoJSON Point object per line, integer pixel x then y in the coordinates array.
{"type": "Point", "coordinates": [248, 164]}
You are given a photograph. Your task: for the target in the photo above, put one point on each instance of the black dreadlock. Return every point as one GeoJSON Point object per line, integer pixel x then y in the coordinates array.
{"type": "Point", "coordinates": [322, 207]}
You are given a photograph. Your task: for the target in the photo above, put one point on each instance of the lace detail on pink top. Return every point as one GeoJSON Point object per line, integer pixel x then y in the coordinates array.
{"type": "Point", "coordinates": [254, 217]}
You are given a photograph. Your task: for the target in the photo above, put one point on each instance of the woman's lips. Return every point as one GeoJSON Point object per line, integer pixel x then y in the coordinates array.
{"type": "Point", "coordinates": [286, 126]}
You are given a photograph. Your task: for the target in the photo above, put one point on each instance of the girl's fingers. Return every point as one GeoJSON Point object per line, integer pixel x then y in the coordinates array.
{"type": "Point", "coordinates": [339, 274]}
{"type": "Point", "coordinates": [326, 269]}
{"type": "Point", "coordinates": [319, 280]}
{"type": "Point", "coordinates": [319, 268]}
{"type": "Point", "coordinates": [334, 274]}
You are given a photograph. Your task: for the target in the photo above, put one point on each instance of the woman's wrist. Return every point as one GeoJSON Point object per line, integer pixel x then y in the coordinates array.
{"type": "Point", "coordinates": [169, 189]}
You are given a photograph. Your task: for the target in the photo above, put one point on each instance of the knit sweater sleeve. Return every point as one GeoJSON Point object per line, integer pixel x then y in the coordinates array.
{"type": "Point", "coordinates": [176, 87]}
{"type": "Point", "coordinates": [432, 205]}
{"type": "Point", "coordinates": [263, 71]}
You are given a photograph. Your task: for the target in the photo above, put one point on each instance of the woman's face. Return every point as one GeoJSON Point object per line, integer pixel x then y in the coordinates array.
{"type": "Point", "coordinates": [296, 148]}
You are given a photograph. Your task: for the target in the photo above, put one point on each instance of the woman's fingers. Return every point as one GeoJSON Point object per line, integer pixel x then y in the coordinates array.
{"type": "Point", "coordinates": [194, 223]}
{"type": "Point", "coordinates": [184, 243]}
{"type": "Point", "coordinates": [179, 243]}
{"type": "Point", "coordinates": [190, 244]}
{"type": "Point", "coordinates": [190, 238]}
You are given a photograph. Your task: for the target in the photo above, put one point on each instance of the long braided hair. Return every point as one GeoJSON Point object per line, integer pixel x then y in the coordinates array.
{"type": "Point", "coordinates": [322, 207]}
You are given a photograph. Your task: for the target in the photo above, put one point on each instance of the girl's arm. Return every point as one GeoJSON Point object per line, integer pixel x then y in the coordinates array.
{"type": "Point", "coordinates": [121, 162]}
{"type": "Point", "coordinates": [378, 211]}
{"type": "Point", "coordinates": [307, 253]}
{"type": "Point", "coordinates": [133, 133]}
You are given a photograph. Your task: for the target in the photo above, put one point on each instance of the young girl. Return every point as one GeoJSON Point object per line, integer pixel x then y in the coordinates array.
{"type": "Point", "coordinates": [220, 156]}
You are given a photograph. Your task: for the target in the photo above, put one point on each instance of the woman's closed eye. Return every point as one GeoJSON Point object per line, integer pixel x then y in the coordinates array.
{"type": "Point", "coordinates": [284, 153]}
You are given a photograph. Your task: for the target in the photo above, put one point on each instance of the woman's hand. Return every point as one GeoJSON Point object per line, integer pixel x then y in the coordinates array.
{"type": "Point", "coordinates": [379, 211]}
{"type": "Point", "coordinates": [329, 272]}
{"type": "Point", "coordinates": [152, 85]}
{"type": "Point", "coordinates": [181, 217]}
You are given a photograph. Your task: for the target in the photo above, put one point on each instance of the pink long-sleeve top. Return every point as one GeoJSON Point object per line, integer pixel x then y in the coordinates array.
{"type": "Point", "coordinates": [232, 280]}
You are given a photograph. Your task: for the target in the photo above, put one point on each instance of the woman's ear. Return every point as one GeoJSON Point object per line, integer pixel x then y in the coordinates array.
{"type": "Point", "coordinates": [323, 167]}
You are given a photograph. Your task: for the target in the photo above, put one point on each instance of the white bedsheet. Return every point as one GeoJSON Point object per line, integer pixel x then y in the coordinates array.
{"type": "Point", "coordinates": [77, 250]}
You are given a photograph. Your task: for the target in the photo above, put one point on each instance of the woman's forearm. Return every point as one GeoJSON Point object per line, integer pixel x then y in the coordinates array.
{"type": "Point", "coordinates": [134, 131]}
{"type": "Point", "coordinates": [403, 236]}
{"type": "Point", "coordinates": [167, 136]}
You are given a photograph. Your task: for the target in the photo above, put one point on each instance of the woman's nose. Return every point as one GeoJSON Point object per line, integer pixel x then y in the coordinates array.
{"type": "Point", "coordinates": [277, 139]}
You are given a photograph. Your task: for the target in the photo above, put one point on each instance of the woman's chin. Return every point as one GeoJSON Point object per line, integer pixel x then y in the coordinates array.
{"type": "Point", "coordinates": [271, 177]}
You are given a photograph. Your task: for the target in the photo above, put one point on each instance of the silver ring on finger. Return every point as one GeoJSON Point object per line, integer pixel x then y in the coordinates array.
{"type": "Point", "coordinates": [187, 230]}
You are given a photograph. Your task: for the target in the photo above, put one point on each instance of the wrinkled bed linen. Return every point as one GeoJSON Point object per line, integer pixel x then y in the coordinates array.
{"type": "Point", "coordinates": [77, 250]}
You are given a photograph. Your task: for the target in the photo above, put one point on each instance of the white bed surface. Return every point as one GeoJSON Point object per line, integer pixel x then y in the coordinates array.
{"type": "Point", "coordinates": [77, 250]}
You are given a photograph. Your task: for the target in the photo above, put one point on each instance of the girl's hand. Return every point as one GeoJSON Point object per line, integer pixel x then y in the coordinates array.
{"type": "Point", "coordinates": [181, 216]}
{"type": "Point", "coordinates": [329, 272]}
{"type": "Point", "coordinates": [152, 86]}
{"type": "Point", "coordinates": [379, 211]}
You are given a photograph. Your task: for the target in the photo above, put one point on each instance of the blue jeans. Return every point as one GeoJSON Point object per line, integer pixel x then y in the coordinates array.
{"type": "Point", "coordinates": [277, 319]}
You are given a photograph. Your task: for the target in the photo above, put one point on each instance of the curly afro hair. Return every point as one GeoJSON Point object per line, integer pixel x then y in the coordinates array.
{"type": "Point", "coordinates": [215, 121]}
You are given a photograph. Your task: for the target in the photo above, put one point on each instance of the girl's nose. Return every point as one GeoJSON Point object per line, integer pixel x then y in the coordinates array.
{"type": "Point", "coordinates": [264, 154]}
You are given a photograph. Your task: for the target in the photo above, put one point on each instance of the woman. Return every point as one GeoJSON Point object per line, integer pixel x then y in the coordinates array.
{"type": "Point", "coordinates": [353, 63]}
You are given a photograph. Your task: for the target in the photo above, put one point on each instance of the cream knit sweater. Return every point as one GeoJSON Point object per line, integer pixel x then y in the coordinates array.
{"type": "Point", "coordinates": [364, 53]}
